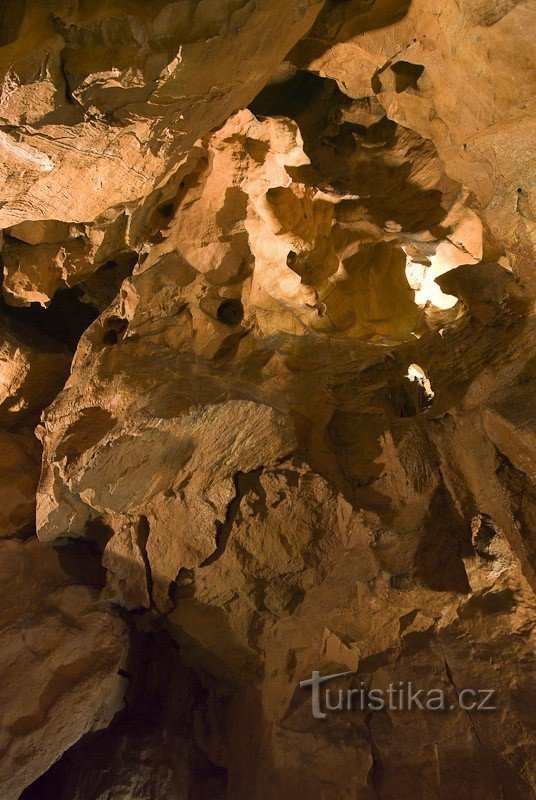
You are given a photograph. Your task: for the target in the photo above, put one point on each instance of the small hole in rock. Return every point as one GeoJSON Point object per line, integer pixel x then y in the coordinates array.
{"type": "Point", "coordinates": [166, 210]}
{"type": "Point", "coordinates": [291, 258]}
{"type": "Point", "coordinates": [406, 75]}
{"type": "Point", "coordinates": [418, 375]}
{"type": "Point", "coordinates": [231, 312]}
{"type": "Point", "coordinates": [115, 328]}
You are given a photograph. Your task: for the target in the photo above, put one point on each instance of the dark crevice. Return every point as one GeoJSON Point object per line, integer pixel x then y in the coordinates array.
{"type": "Point", "coordinates": [143, 532]}
{"type": "Point", "coordinates": [244, 482]}
{"type": "Point", "coordinates": [11, 18]}
{"type": "Point", "coordinates": [65, 319]}
{"type": "Point", "coordinates": [377, 769]}
{"type": "Point", "coordinates": [223, 529]}
{"type": "Point", "coordinates": [150, 745]}
{"type": "Point", "coordinates": [82, 561]}
{"type": "Point", "coordinates": [22, 534]}
{"type": "Point", "coordinates": [71, 100]}
{"type": "Point", "coordinates": [290, 96]}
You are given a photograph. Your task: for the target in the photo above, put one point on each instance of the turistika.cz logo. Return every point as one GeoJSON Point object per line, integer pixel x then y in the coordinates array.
{"type": "Point", "coordinates": [399, 696]}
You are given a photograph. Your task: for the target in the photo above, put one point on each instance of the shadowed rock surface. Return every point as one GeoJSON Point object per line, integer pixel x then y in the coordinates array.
{"type": "Point", "coordinates": [267, 381]}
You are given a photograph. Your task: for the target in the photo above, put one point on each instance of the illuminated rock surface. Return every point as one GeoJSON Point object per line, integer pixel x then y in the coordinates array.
{"type": "Point", "coordinates": [268, 313]}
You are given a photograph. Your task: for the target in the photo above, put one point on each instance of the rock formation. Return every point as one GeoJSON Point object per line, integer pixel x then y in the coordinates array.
{"type": "Point", "coordinates": [266, 398]}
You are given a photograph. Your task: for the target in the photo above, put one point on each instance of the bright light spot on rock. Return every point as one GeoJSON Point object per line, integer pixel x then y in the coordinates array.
{"type": "Point", "coordinates": [416, 373]}
{"type": "Point", "coordinates": [463, 246]}
{"type": "Point", "coordinates": [421, 278]}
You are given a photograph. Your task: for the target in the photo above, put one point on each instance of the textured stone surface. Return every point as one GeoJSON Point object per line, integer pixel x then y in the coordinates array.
{"type": "Point", "coordinates": [356, 618]}
{"type": "Point", "coordinates": [33, 369]}
{"type": "Point", "coordinates": [110, 97]}
{"type": "Point", "coordinates": [269, 309]}
{"type": "Point", "coordinates": [19, 475]}
{"type": "Point", "coordinates": [461, 75]}
{"type": "Point", "coordinates": [149, 749]}
{"type": "Point", "coordinates": [61, 649]}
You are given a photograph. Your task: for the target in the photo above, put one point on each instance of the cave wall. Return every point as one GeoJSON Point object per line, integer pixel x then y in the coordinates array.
{"type": "Point", "coordinates": [266, 397]}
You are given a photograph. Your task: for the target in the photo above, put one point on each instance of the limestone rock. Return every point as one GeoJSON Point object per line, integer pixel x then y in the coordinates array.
{"type": "Point", "coordinates": [481, 118]}
{"type": "Point", "coordinates": [65, 647]}
{"type": "Point", "coordinates": [149, 750]}
{"type": "Point", "coordinates": [34, 369]}
{"type": "Point", "coordinates": [268, 304]}
{"type": "Point", "coordinates": [19, 474]}
{"type": "Point", "coordinates": [125, 561]}
{"type": "Point", "coordinates": [396, 637]}
{"type": "Point", "coordinates": [113, 98]}
{"type": "Point", "coordinates": [285, 530]}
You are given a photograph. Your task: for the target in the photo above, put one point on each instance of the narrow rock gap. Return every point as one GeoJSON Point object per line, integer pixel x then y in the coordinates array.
{"type": "Point", "coordinates": [163, 699]}
{"type": "Point", "coordinates": [448, 672]}
{"type": "Point", "coordinates": [376, 770]}
{"type": "Point", "coordinates": [223, 530]}
{"type": "Point", "coordinates": [64, 320]}
{"type": "Point", "coordinates": [143, 533]}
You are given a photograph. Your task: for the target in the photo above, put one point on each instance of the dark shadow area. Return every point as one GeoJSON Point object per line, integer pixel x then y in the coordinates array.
{"type": "Point", "coordinates": [86, 431]}
{"type": "Point", "coordinates": [101, 288]}
{"type": "Point", "coordinates": [445, 540]}
{"type": "Point", "coordinates": [342, 20]}
{"type": "Point", "coordinates": [395, 174]}
{"type": "Point", "coordinates": [114, 330]}
{"type": "Point", "coordinates": [82, 561]}
{"type": "Point", "coordinates": [11, 19]}
{"type": "Point", "coordinates": [288, 96]}
{"type": "Point", "coordinates": [71, 311]}
{"type": "Point", "coordinates": [65, 319]}
{"type": "Point", "coordinates": [150, 749]}
{"type": "Point", "coordinates": [406, 75]}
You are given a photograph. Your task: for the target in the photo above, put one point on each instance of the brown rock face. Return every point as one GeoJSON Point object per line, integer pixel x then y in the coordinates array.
{"type": "Point", "coordinates": [268, 443]}
{"type": "Point", "coordinates": [64, 647]}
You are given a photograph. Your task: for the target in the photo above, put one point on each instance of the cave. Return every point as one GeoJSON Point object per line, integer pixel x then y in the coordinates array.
{"type": "Point", "coordinates": [267, 379]}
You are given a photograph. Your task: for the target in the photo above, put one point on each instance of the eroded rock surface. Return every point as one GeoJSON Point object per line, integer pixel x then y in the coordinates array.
{"type": "Point", "coordinates": [269, 311]}
{"type": "Point", "coordinates": [110, 97]}
{"type": "Point", "coordinates": [61, 650]}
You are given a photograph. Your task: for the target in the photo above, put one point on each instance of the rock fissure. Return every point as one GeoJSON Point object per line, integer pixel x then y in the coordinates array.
{"type": "Point", "coordinates": [266, 397]}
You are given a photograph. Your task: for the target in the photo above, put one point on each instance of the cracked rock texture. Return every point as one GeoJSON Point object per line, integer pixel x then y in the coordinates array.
{"type": "Point", "coordinates": [267, 380]}
{"type": "Point", "coordinates": [61, 648]}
